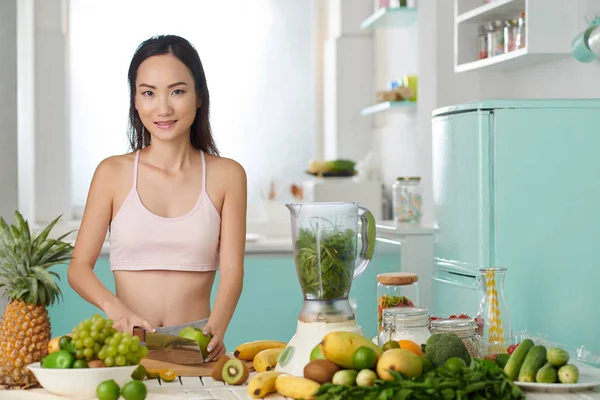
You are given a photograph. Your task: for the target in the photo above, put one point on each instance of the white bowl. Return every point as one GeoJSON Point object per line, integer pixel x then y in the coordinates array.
{"type": "Point", "coordinates": [79, 382]}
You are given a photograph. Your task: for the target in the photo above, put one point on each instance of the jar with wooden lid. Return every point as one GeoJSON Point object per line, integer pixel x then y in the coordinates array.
{"type": "Point", "coordinates": [410, 323]}
{"type": "Point", "coordinates": [465, 329]}
{"type": "Point", "coordinates": [396, 290]}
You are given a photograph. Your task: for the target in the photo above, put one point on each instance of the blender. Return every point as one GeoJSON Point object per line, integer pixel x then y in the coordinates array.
{"type": "Point", "coordinates": [325, 236]}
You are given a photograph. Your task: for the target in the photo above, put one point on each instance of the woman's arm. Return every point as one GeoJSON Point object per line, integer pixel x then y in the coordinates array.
{"type": "Point", "coordinates": [231, 260]}
{"type": "Point", "coordinates": [92, 233]}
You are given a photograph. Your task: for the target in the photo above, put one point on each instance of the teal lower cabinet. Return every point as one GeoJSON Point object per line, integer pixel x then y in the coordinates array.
{"type": "Point", "coordinates": [268, 307]}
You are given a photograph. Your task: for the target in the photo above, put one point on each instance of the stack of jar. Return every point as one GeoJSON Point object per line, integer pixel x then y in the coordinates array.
{"type": "Point", "coordinates": [501, 36]}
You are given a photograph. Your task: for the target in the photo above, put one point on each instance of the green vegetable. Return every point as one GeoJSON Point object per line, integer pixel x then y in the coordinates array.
{"type": "Point", "coordinates": [502, 359]}
{"type": "Point", "coordinates": [443, 346]}
{"type": "Point", "coordinates": [65, 343]}
{"type": "Point", "coordinates": [482, 380]}
{"type": "Point", "coordinates": [557, 357]}
{"type": "Point", "coordinates": [535, 359]}
{"type": "Point", "coordinates": [326, 264]}
{"type": "Point", "coordinates": [513, 365]}
{"type": "Point", "coordinates": [547, 374]}
{"type": "Point", "coordinates": [59, 359]}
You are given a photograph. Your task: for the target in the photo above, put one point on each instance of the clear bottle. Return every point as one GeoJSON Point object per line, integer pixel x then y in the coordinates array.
{"type": "Point", "coordinates": [493, 318]}
{"type": "Point", "coordinates": [482, 42]}
{"type": "Point", "coordinates": [410, 323]}
{"type": "Point", "coordinates": [464, 328]}
{"type": "Point", "coordinates": [490, 38]}
{"type": "Point", "coordinates": [498, 44]}
{"type": "Point", "coordinates": [510, 35]}
{"type": "Point", "coordinates": [407, 199]}
{"type": "Point", "coordinates": [396, 290]}
{"type": "Point", "coordinates": [521, 41]}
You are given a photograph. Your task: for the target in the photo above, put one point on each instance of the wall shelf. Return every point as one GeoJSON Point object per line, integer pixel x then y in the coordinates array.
{"type": "Point", "coordinates": [388, 105]}
{"type": "Point", "coordinates": [390, 18]}
{"type": "Point", "coordinates": [543, 41]}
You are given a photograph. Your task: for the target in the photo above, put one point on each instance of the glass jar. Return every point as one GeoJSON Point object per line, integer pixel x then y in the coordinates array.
{"type": "Point", "coordinates": [498, 43]}
{"type": "Point", "coordinates": [396, 290]}
{"type": "Point", "coordinates": [489, 32]}
{"type": "Point", "coordinates": [410, 323]}
{"type": "Point", "coordinates": [510, 35]}
{"type": "Point", "coordinates": [482, 41]}
{"type": "Point", "coordinates": [520, 41]}
{"type": "Point", "coordinates": [493, 316]}
{"type": "Point", "coordinates": [464, 328]}
{"type": "Point", "coordinates": [407, 199]}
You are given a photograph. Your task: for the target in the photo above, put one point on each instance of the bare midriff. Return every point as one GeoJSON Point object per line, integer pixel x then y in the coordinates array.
{"type": "Point", "coordinates": [166, 298]}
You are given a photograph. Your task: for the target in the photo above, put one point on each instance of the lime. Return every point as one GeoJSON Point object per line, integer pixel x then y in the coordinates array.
{"type": "Point", "coordinates": [455, 364]}
{"type": "Point", "coordinates": [80, 364]}
{"type": "Point", "coordinates": [427, 364]}
{"type": "Point", "coordinates": [316, 354]}
{"type": "Point", "coordinates": [139, 374]}
{"type": "Point", "coordinates": [364, 358]}
{"type": "Point", "coordinates": [134, 390]}
{"type": "Point", "coordinates": [392, 344]}
{"type": "Point", "coordinates": [107, 390]}
{"type": "Point", "coordinates": [167, 375]}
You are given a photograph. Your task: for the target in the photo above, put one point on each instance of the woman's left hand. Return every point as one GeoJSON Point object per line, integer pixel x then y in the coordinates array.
{"type": "Point", "coordinates": [215, 348]}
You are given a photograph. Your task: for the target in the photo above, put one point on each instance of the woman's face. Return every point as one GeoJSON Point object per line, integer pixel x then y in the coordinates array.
{"type": "Point", "coordinates": [165, 97]}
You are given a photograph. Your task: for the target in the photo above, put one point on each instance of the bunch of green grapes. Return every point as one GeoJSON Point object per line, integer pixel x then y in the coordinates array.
{"type": "Point", "coordinates": [122, 349]}
{"type": "Point", "coordinates": [96, 339]}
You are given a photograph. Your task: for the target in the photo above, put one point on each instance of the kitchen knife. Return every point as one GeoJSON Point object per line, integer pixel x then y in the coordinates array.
{"type": "Point", "coordinates": [169, 348]}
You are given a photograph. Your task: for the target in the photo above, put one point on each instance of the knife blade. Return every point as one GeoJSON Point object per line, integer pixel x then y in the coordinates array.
{"type": "Point", "coordinates": [169, 348]}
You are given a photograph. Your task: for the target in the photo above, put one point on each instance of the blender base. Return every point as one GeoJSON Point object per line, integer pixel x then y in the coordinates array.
{"type": "Point", "coordinates": [296, 355]}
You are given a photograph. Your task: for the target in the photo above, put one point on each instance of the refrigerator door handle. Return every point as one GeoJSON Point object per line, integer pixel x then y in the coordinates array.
{"type": "Point", "coordinates": [465, 281]}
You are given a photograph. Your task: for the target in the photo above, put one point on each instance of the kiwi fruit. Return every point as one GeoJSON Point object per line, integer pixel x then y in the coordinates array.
{"type": "Point", "coordinates": [217, 372]}
{"type": "Point", "coordinates": [320, 371]}
{"type": "Point", "coordinates": [235, 372]}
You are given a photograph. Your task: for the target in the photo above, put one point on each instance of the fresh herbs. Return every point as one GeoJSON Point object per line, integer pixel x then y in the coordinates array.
{"type": "Point", "coordinates": [481, 381]}
{"type": "Point", "coordinates": [326, 262]}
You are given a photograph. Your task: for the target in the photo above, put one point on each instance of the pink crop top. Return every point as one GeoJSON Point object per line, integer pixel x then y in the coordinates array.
{"type": "Point", "coordinates": [141, 240]}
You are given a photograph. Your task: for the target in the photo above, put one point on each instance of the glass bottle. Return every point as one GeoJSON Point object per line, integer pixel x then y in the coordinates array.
{"type": "Point", "coordinates": [482, 42]}
{"type": "Point", "coordinates": [521, 41]}
{"type": "Point", "coordinates": [464, 328]}
{"type": "Point", "coordinates": [493, 318]}
{"type": "Point", "coordinates": [411, 323]}
{"type": "Point", "coordinates": [407, 199]}
{"type": "Point", "coordinates": [394, 290]}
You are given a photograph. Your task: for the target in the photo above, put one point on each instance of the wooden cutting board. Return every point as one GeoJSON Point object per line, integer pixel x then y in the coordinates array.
{"type": "Point", "coordinates": [185, 370]}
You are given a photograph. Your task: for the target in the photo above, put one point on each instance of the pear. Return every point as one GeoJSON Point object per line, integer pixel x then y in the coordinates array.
{"type": "Point", "coordinates": [339, 347]}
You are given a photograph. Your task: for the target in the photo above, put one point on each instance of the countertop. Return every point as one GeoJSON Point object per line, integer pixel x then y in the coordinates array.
{"type": "Point", "coordinates": [208, 389]}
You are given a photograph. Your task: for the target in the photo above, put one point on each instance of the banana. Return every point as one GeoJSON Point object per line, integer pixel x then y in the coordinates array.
{"type": "Point", "coordinates": [339, 347]}
{"type": "Point", "coordinates": [247, 351]}
{"type": "Point", "coordinates": [266, 360]}
{"type": "Point", "coordinates": [296, 387]}
{"type": "Point", "coordinates": [262, 384]}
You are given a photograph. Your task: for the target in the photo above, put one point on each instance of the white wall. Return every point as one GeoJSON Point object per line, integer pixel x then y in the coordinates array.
{"type": "Point", "coordinates": [8, 114]}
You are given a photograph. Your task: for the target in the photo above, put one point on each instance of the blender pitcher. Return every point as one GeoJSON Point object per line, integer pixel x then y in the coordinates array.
{"type": "Point", "coordinates": [324, 238]}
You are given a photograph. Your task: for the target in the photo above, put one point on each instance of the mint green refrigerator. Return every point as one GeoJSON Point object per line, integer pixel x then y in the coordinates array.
{"type": "Point", "coordinates": [516, 184]}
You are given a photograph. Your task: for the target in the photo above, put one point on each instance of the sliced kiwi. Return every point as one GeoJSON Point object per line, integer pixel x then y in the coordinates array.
{"type": "Point", "coordinates": [235, 372]}
{"type": "Point", "coordinates": [217, 371]}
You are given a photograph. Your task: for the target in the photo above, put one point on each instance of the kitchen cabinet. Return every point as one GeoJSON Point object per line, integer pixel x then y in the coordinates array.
{"type": "Point", "coordinates": [550, 25]}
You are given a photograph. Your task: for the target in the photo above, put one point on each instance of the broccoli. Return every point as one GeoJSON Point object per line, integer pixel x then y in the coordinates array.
{"type": "Point", "coordinates": [442, 346]}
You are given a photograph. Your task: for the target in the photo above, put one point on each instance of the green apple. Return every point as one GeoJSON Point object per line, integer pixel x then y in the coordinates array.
{"type": "Point", "coordinates": [316, 354]}
{"type": "Point", "coordinates": [190, 332]}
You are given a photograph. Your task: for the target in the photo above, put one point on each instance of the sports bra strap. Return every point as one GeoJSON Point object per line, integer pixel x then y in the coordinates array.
{"type": "Point", "coordinates": [203, 171]}
{"type": "Point", "coordinates": [135, 168]}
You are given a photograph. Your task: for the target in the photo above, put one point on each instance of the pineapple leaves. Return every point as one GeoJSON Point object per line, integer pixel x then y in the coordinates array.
{"type": "Point", "coordinates": [25, 259]}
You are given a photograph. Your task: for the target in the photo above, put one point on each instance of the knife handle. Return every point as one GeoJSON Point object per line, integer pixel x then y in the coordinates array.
{"type": "Point", "coordinates": [139, 332]}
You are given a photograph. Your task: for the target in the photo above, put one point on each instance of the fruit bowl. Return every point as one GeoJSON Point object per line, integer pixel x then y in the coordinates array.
{"type": "Point", "coordinates": [80, 382]}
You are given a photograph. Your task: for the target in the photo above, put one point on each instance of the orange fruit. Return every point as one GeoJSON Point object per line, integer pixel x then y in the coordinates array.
{"type": "Point", "coordinates": [411, 346]}
{"type": "Point", "coordinates": [168, 376]}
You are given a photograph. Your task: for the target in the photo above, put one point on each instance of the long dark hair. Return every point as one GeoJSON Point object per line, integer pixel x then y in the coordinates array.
{"type": "Point", "coordinates": [200, 133]}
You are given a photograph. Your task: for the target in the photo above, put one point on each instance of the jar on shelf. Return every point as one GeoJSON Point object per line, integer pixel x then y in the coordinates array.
{"type": "Point", "coordinates": [489, 38]}
{"type": "Point", "coordinates": [410, 323]}
{"type": "Point", "coordinates": [498, 38]}
{"type": "Point", "coordinates": [396, 290]}
{"type": "Point", "coordinates": [510, 35]}
{"type": "Point", "coordinates": [465, 329]}
{"type": "Point", "coordinates": [482, 51]}
{"type": "Point", "coordinates": [520, 40]}
{"type": "Point", "coordinates": [407, 199]}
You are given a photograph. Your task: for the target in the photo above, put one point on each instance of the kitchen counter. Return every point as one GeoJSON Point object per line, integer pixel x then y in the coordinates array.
{"type": "Point", "coordinates": [207, 389]}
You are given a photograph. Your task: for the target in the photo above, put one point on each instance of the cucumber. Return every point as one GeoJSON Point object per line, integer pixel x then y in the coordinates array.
{"type": "Point", "coordinates": [535, 359]}
{"type": "Point", "coordinates": [513, 365]}
{"type": "Point", "coordinates": [558, 357]}
{"type": "Point", "coordinates": [547, 374]}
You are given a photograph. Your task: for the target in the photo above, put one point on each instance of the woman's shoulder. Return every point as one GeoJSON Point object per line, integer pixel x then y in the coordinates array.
{"type": "Point", "coordinates": [224, 167]}
{"type": "Point", "coordinates": [115, 166]}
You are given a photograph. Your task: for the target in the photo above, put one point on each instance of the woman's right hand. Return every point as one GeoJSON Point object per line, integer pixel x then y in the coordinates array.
{"type": "Point", "coordinates": [124, 319]}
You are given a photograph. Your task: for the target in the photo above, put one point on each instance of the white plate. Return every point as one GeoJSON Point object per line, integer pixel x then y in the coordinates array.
{"type": "Point", "coordinates": [589, 378]}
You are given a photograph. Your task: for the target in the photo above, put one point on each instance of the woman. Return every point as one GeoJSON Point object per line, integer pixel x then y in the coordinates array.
{"type": "Point", "coordinates": [175, 209]}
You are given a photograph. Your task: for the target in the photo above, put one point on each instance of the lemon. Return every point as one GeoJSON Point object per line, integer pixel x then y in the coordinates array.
{"type": "Point", "coordinates": [364, 358]}
{"type": "Point", "coordinates": [107, 390]}
{"type": "Point", "coordinates": [134, 390]}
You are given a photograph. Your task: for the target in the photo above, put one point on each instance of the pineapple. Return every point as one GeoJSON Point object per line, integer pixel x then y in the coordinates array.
{"type": "Point", "coordinates": [29, 287]}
